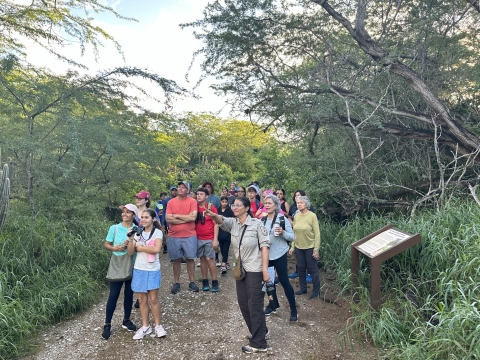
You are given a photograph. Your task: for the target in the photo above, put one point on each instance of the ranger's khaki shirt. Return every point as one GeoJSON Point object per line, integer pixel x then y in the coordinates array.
{"type": "Point", "coordinates": [255, 237]}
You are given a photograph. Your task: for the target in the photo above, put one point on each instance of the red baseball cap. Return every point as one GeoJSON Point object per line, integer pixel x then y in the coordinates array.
{"type": "Point", "coordinates": [144, 194]}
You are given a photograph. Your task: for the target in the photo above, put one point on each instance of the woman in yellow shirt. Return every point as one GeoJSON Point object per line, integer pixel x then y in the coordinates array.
{"type": "Point", "coordinates": [306, 246]}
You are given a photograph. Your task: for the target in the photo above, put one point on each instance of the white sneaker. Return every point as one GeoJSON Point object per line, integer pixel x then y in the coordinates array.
{"type": "Point", "coordinates": [141, 333]}
{"type": "Point", "coordinates": [198, 265]}
{"type": "Point", "coordinates": [160, 331]}
{"type": "Point", "coordinates": [218, 264]}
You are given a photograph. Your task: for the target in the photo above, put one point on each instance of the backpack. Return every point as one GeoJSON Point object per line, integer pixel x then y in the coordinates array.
{"type": "Point", "coordinates": [280, 217]}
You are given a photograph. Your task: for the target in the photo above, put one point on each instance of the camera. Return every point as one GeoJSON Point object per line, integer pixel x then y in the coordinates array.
{"type": "Point", "coordinates": [137, 230]}
{"type": "Point", "coordinates": [200, 218]}
{"type": "Point", "coordinates": [272, 296]}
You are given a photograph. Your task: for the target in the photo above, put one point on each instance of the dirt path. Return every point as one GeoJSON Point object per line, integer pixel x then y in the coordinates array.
{"type": "Point", "coordinates": [204, 325]}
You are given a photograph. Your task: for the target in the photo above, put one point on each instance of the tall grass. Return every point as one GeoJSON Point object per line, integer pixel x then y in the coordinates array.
{"type": "Point", "coordinates": [431, 292]}
{"type": "Point", "coordinates": [47, 273]}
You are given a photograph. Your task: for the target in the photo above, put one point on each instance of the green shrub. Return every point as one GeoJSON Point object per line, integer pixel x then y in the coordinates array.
{"type": "Point", "coordinates": [430, 298]}
{"type": "Point", "coordinates": [47, 273]}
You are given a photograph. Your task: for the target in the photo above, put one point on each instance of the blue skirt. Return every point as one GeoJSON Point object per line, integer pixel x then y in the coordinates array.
{"type": "Point", "coordinates": [143, 280]}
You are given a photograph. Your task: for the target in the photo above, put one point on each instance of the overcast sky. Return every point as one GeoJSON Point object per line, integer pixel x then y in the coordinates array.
{"type": "Point", "coordinates": [155, 42]}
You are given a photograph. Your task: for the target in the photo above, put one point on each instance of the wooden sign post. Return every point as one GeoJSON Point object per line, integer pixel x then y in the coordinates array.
{"type": "Point", "coordinates": [379, 246]}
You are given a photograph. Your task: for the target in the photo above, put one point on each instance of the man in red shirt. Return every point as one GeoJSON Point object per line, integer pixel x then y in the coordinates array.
{"type": "Point", "coordinates": [182, 238]}
{"type": "Point", "coordinates": [207, 240]}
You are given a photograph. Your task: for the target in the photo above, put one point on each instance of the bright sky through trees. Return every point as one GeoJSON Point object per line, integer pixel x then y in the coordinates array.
{"type": "Point", "coordinates": [155, 42]}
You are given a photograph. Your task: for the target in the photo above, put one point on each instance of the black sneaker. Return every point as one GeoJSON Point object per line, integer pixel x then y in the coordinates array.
{"type": "Point", "coordinates": [314, 295]}
{"type": "Point", "coordinates": [106, 331]}
{"type": "Point", "coordinates": [269, 311]}
{"type": "Point", "coordinates": [137, 304]}
{"type": "Point", "coordinates": [293, 316]}
{"type": "Point", "coordinates": [300, 292]}
{"type": "Point", "coordinates": [205, 285]}
{"type": "Point", "coordinates": [214, 285]}
{"type": "Point", "coordinates": [277, 281]}
{"type": "Point", "coordinates": [127, 324]}
{"type": "Point", "coordinates": [192, 286]}
{"type": "Point", "coordinates": [175, 288]}
{"type": "Point", "coordinates": [184, 261]}
{"type": "Point", "coordinates": [224, 270]}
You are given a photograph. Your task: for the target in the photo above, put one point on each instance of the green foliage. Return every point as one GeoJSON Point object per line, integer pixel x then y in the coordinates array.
{"type": "Point", "coordinates": [430, 297]}
{"type": "Point", "coordinates": [4, 194]}
{"type": "Point", "coordinates": [53, 22]}
{"type": "Point", "coordinates": [294, 66]}
{"type": "Point", "coordinates": [47, 279]}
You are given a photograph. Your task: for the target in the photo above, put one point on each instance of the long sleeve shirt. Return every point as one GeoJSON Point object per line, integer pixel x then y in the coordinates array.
{"type": "Point", "coordinates": [280, 244]}
{"type": "Point", "coordinates": [307, 231]}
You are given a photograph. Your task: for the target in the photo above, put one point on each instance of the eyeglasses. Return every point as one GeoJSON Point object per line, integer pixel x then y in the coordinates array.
{"type": "Point", "coordinates": [236, 205]}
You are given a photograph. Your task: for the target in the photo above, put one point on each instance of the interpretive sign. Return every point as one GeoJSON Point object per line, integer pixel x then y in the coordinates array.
{"type": "Point", "coordinates": [379, 246]}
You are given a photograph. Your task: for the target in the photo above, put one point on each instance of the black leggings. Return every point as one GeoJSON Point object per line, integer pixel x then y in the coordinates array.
{"type": "Point", "coordinates": [115, 288]}
{"type": "Point", "coordinates": [306, 261]}
{"type": "Point", "coordinates": [224, 248]}
{"type": "Point", "coordinates": [280, 265]}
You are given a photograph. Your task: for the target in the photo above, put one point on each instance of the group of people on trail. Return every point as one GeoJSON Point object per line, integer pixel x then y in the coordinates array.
{"type": "Point", "coordinates": [261, 227]}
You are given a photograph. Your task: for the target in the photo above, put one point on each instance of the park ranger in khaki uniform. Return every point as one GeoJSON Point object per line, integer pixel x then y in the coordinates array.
{"type": "Point", "coordinates": [254, 247]}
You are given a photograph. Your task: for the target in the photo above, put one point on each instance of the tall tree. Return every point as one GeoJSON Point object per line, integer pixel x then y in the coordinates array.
{"type": "Point", "coordinates": [396, 75]}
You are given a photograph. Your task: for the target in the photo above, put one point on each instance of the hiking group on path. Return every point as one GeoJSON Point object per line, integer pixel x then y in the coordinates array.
{"type": "Point", "coordinates": [199, 225]}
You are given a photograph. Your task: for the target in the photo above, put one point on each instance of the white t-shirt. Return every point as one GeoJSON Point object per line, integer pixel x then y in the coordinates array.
{"type": "Point", "coordinates": [142, 263]}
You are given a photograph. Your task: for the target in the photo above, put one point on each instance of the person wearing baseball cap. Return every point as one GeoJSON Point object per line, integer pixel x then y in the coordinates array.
{"type": "Point", "coordinates": [143, 201]}
{"type": "Point", "coordinates": [181, 214]}
{"type": "Point", "coordinates": [115, 242]}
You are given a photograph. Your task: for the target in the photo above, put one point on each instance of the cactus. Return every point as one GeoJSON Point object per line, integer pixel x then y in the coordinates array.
{"type": "Point", "coordinates": [4, 194]}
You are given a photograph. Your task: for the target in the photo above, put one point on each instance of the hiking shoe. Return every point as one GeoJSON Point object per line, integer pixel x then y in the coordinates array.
{"type": "Point", "coordinates": [293, 275]}
{"type": "Point", "coordinates": [300, 292]}
{"type": "Point", "coordinates": [142, 332]}
{"type": "Point", "coordinates": [249, 336]}
{"type": "Point", "coordinates": [127, 324]}
{"type": "Point", "coordinates": [314, 295]}
{"type": "Point", "coordinates": [293, 316]}
{"type": "Point", "coordinates": [106, 331]}
{"type": "Point", "coordinates": [192, 286]}
{"type": "Point", "coordinates": [269, 311]}
{"type": "Point", "coordinates": [175, 288]}
{"type": "Point", "coordinates": [205, 285]}
{"type": "Point", "coordinates": [214, 285]}
{"type": "Point", "coordinates": [276, 281]}
{"type": "Point", "coordinates": [227, 265]}
{"type": "Point", "coordinates": [247, 349]}
{"type": "Point", "coordinates": [224, 270]}
{"type": "Point", "coordinates": [160, 331]}
{"type": "Point", "coordinates": [137, 304]}
{"type": "Point", "coordinates": [309, 278]}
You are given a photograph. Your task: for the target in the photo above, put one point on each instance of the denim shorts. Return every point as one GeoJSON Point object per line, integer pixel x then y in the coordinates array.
{"type": "Point", "coordinates": [205, 248]}
{"type": "Point", "coordinates": [182, 247]}
{"type": "Point", "coordinates": [143, 280]}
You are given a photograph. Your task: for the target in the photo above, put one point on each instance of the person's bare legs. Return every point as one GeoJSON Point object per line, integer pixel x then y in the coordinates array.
{"type": "Point", "coordinates": [212, 267]}
{"type": "Point", "coordinates": [155, 305]}
{"type": "Point", "coordinates": [143, 301]}
{"type": "Point", "coordinates": [176, 269]}
{"type": "Point", "coordinates": [204, 265]}
{"type": "Point", "coordinates": [190, 269]}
